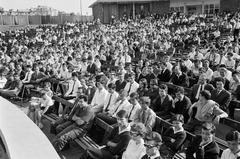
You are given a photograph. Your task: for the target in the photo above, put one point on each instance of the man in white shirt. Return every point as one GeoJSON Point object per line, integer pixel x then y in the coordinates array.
{"type": "Point", "coordinates": [233, 152]}
{"type": "Point", "coordinates": [135, 107]}
{"type": "Point", "coordinates": [123, 103]}
{"type": "Point", "coordinates": [207, 71]}
{"type": "Point", "coordinates": [111, 98]}
{"type": "Point", "coordinates": [28, 74]}
{"type": "Point", "coordinates": [74, 84]}
{"type": "Point", "coordinates": [132, 85]}
{"type": "Point", "coordinates": [99, 98]}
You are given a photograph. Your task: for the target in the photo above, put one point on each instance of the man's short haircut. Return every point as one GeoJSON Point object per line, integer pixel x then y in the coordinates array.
{"type": "Point", "coordinates": [111, 86]}
{"type": "Point", "coordinates": [131, 74]}
{"type": "Point", "coordinates": [206, 94]}
{"type": "Point", "coordinates": [154, 136]}
{"type": "Point", "coordinates": [122, 114]}
{"type": "Point", "coordinates": [233, 136]}
{"type": "Point", "coordinates": [134, 95]}
{"type": "Point", "coordinates": [139, 128]}
{"type": "Point", "coordinates": [163, 86]}
{"type": "Point", "coordinates": [180, 90]}
{"type": "Point", "coordinates": [154, 81]}
{"type": "Point", "coordinates": [145, 99]}
{"type": "Point", "coordinates": [209, 126]}
{"type": "Point", "coordinates": [178, 117]}
{"type": "Point", "coordinates": [84, 97]}
{"type": "Point", "coordinates": [123, 92]}
{"type": "Point", "coordinates": [74, 74]}
{"type": "Point", "coordinates": [220, 79]}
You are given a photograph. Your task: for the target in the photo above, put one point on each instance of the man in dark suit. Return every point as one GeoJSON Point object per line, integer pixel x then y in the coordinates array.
{"type": "Point", "coordinates": [220, 95]}
{"type": "Point", "coordinates": [90, 91]}
{"type": "Point", "coordinates": [153, 90]}
{"type": "Point", "coordinates": [197, 88]}
{"type": "Point", "coordinates": [179, 78]}
{"type": "Point", "coordinates": [223, 72]}
{"type": "Point", "coordinates": [182, 103]}
{"type": "Point", "coordinates": [165, 74]}
{"type": "Point", "coordinates": [121, 82]}
{"type": "Point", "coordinates": [204, 146]}
{"type": "Point", "coordinates": [152, 144]}
{"type": "Point", "coordinates": [92, 67]}
{"type": "Point", "coordinates": [116, 142]}
{"type": "Point", "coordinates": [163, 104]}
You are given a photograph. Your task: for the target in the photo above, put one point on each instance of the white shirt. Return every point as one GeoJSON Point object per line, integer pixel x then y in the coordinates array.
{"type": "Point", "coordinates": [132, 111]}
{"type": "Point", "coordinates": [134, 87]}
{"type": "Point", "coordinates": [27, 77]}
{"type": "Point", "coordinates": [99, 98]}
{"type": "Point", "coordinates": [73, 88]}
{"type": "Point", "coordinates": [3, 81]}
{"type": "Point", "coordinates": [227, 154]}
{"type": "Point", "coordinates": [209, 74]}
{"type": "Point", "coordinates": [120, 105]}
{"type": "Point", "coordinates": [84, 67]}
{"type": "Point", "coordinates": [138, 149]}
{"type": "Point", "coordinates": [64, 74]}
{"type": "Point", "coordinates": [113, 100]}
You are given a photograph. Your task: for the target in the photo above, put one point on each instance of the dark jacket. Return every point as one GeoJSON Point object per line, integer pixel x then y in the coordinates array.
{"type": "Point", "coordinates": [164, 108]}
{"type": "Point", "coordinates": [194, 91]}
{"type": "Point", "coordinates": [181, 107]}
{"type": "Point", "coordinates": [164, 76]}
{"type": "Point", "coordinates": [92, 69]}
{"type": "Point", "coordinates": [182, 80]}
{"type": "Point", "coordinates": [146, 157]}
{"type": "Point", "coordinates": [211, 151]}
{"type": "Point", "coordinates": [223, 98]}
{"type": "Point", "coordinates": [120, 139]}
{"type": "Point", "coordinates": [120, 85]}
{"type": "Point", "coordinates": [179, 138]}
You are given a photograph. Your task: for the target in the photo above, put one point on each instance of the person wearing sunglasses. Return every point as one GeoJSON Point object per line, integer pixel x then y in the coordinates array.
{"type": "Point", "coordinates": [153, 141]}
{"type": "Point", "coordinates": [135, 146]}
{"type": "Point", "coordinates": [233, 140]}
{"type": "Point", "coordinates": [204, 146]}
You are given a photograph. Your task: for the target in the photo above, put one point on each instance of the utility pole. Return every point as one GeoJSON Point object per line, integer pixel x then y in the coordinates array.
{"type": "Point", "coordinates": [81, 9]}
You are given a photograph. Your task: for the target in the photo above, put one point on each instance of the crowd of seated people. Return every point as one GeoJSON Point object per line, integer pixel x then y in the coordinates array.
{"type": "Point", "coordinates": [120, 74]}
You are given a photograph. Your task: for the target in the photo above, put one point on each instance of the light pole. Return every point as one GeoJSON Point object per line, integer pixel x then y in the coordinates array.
{"type": "Point", "coordinates": [81, 9]}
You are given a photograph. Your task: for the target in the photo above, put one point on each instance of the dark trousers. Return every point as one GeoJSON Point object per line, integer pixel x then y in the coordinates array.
{"type": "Point", "coordinates": [97, 154]}
{"type": "Point", "coordinates": [235, 34]}
{"type": "Point", "coordinates": [108, 119]}
{"type": "Point", "coordinates": [231, 109]}
{"type": "Point", "coordinates": [56, 103]}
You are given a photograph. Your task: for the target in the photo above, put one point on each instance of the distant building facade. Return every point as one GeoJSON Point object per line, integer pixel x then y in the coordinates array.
{"type": "Point", "coordinates": [105, 10]}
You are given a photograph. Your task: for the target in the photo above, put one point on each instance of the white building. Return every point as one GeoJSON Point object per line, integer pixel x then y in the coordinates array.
{"type": "Point", "coordinates": [195, 6]}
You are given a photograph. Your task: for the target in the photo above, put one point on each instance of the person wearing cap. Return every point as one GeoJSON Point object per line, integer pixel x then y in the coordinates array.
{"type": "Point", "coordinates": [136, 148]}
{"type": "Point", "coordinates": [205, 110]}
{"type": "Point", "coordinates": [153, 142]}
{"type": "Point", "coordinates": [82, 121]}
{"type": "Point", "coordinates": [233, 151]}
{"type": "Point", "coordinates": [116, 142]}
{"type": "Point", "coordinates": [174, 137]}
{"type": "Point", "coordinates": [204, 146]}
{"type": "Point", "coordinates": [14, 89]}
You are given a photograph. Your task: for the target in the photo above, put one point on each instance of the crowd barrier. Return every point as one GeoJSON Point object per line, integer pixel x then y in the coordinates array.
{"type": "Point", "coordinates": [39, 19]}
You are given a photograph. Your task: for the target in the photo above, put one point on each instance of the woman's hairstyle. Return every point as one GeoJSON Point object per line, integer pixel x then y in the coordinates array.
{"type": "Point", "coordinates": [180, 90]}
{"type": "Point", "coordinates": [233, 136]}
{"type": "Point", "coordinates": [154, 136]}
{"type": "Point", "coordinates": [144, 82]}
{"type": "Point", "coordinates": [139, 128]}
{"type": "Point", "coordinates": [206, 94]}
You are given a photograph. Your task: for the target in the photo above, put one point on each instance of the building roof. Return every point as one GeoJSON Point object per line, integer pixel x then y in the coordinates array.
{"type": "Point", "coordinates": [121, 1]}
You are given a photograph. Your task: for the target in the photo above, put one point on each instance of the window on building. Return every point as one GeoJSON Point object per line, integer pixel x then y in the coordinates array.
{"type": "Point", "coordinates": [211, 8]}
{"type": "Point", "coordinates": [217, 8]}
{"type": "Point", "coordinates": [172, 9]}
{"type": "Point", "coordinates": [181, 9]}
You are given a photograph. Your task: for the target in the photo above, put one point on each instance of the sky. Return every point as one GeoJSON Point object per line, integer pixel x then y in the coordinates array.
{"type": "Point", "coordinates": [62, 5]}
